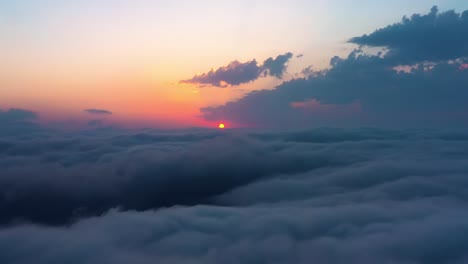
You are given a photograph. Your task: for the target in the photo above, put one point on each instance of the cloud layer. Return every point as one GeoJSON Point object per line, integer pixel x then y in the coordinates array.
{"type": "Point", "coordinates": [331, 196]}
{"type": "Point", "coordinates": [325, 195]}
{"type": "Point", "coordinates": [236, 73]}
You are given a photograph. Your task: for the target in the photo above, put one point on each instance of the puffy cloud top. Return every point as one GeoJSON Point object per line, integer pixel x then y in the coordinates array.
{"type": "Point", "coordinates": [330, 196]}
{"type": "Point", "coordinates": [420, 82]}
{"type": "Point", "coordinates": [236, 73]}
{"type": "Point", "coordinates": [276, 67]}
{"type": "Point", "coordinates": [432, 37]}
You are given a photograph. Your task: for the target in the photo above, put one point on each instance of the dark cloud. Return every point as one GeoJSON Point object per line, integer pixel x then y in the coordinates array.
{"type": "Point", "coordinates": [236, 73]}
{"type": "Point", "coordinates": [18, 121]}
{"type": "Point", "coordinates": [428, 231]}
{"type": "Point", "coordinates": [136, 171]}
{"type": "Point", "coordinates": [370, 90]}
{"type": "Point", "coordinates": [327, 195]}
{"type": "Point", "coordinates": [276, 67]}
{"type": "Point", "coordinates": [98, 111]}
{"type": "Point", "coordinates": [14, 115]}
{"type": "Point", "coordinates": [431, 37]}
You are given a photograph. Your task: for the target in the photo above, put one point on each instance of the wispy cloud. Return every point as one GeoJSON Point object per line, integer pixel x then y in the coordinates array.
{"type": "Point", "coordinates": [94, 111]}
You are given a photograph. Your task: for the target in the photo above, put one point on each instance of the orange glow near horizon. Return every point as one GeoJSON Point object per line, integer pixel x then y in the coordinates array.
{"type": "Point", "coordinates": [221, 126]}
{"type": "Point", "coordinates": [135, 99]}
{"type": "Point", "coordinates": [129, 57]}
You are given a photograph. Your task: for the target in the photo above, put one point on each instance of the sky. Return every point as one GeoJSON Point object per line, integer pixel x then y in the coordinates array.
{"type": "Point", "coordinates": [345, 136]}
{"type": "Point", "coordinates": [133, 58]}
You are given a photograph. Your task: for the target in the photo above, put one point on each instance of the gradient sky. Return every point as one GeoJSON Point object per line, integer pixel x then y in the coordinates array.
{"type": "Point", "coordinates": [61, 57]}
{"type": "Point", "coordinates": [346, 139]}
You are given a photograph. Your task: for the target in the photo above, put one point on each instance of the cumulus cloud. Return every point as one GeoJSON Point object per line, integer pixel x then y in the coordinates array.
{"type": "Point", "coordinates": [236, 73]}
{"type": "Point", "coordinates": [366, 89]}
{"type": "Point", "coordinates": [276, 67]}
{"type": "Point", "coordinates": [94, 111]}
{"type": "Point", "coordinates": [326, 195]}
{"type": "Point", "coordinates": [432, 37]}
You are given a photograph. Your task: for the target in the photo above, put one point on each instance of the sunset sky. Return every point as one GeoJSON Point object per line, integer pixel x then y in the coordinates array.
{"type": "Point", "coordinates": [233, 131]}
{"type": "Point", "coordinates": [129, 57]}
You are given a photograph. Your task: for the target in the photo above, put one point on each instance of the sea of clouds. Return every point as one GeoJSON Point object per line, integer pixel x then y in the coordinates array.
{"type": "Point", "coordinates": [327, 195]}
{"type": "Point", "coordinates": [201, 196]}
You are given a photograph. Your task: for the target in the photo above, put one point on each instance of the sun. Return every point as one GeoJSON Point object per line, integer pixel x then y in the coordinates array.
{"type": "Point", "coordinates": [221, 126]}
